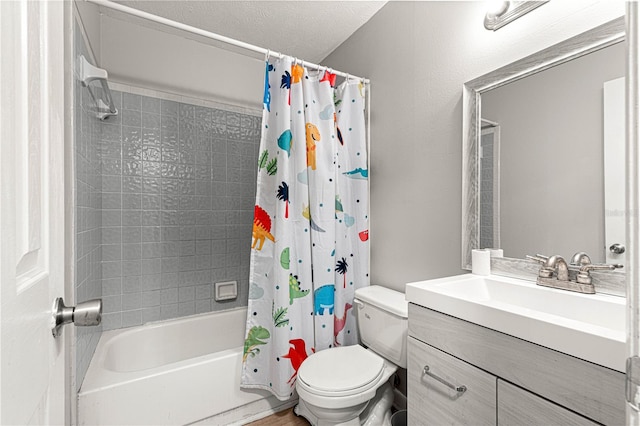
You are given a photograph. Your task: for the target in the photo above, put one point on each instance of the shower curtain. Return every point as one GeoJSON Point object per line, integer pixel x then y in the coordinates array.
{"type": "Point", "coordinates": [310, 248]}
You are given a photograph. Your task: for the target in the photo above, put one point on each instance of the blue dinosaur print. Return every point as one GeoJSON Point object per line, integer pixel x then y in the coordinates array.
{"type": "Point", "coordinates": [323, 299]}
{"type": "Point", "coordinates": [267, 94]}
{"type": "Point", "coordinates": [284, 142]}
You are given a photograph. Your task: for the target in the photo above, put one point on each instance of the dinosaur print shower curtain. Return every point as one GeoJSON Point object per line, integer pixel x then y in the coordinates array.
{"type": "Point", "coordinates": [310, 248]}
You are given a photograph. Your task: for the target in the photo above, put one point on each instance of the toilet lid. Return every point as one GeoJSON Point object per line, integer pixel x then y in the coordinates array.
{"type": "Point", "coordinates": [341, 369]}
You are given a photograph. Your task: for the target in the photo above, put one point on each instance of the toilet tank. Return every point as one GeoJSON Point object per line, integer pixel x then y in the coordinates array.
{"type": "Point", "coordinates": [381, 314]}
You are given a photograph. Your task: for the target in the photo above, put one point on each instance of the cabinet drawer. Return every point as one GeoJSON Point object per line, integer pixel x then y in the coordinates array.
{"type": "Point", "coordinates": [516, 406]}
{"type": "Point", "coordinates": [432, 402]}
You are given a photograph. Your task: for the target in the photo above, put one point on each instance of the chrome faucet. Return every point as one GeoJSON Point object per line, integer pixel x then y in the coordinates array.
{"type": "Point", "coordinates": [554, 272]}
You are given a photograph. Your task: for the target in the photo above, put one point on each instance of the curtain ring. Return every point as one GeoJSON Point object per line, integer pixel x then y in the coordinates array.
{"type": "Point", "coordinates": [266, 55]}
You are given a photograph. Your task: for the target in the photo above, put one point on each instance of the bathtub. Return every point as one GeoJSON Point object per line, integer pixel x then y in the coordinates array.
{"type": "Point", "coordinates": [173, 372]}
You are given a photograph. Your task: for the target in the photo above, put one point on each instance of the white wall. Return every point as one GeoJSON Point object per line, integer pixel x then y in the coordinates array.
{"type": "Point", "coordinates": [418, 55]}
{"type": "Point", "coordinates": [154, 59]}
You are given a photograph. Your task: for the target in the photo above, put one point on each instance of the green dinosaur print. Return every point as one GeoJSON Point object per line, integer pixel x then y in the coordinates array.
{"type": "Point", "coordinates": [294, 289]}
{"type": "Point", "coordinates": [253, 340]}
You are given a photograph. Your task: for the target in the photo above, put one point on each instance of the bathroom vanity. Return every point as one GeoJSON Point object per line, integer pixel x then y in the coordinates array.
{"type": "Point", "coordinates": [460, 372]}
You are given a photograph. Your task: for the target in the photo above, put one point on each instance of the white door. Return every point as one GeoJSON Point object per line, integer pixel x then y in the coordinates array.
{"type": "Point", "coordinates": [614, 172]}
{"type": "Point", "coordinates": [32, 245]}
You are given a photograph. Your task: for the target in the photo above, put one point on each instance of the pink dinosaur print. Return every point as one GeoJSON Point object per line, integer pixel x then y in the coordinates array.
{"type": "Point", "coordinates": [339, 323]}
{"type": "Point", "coordinates": [297, 354]}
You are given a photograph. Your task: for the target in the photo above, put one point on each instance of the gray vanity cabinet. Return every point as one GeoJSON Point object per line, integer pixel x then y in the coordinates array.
{"type": "Point", "coordinates": [508, 381]}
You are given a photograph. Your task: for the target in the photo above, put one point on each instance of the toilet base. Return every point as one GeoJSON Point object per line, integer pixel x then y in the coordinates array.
{"type": "Point", "coordinates": [349, 416]}
{"type": "Point", "coordinates": [376, 412]}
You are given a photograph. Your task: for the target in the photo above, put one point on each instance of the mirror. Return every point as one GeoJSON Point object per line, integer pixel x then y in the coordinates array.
{"type": "Point", "coordinates": [533, 175]}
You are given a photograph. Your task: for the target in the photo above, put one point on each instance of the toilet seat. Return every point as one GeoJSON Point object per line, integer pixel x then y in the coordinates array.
{"type": "Point", "coordinates": [341, 371]}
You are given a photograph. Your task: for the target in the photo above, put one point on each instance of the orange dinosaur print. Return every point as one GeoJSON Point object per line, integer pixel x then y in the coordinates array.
{"type": "Point", "coordinates": [297, 353]}
{"type": "Point", "coordinates": [312, 136]}
{"type": "Point", "coordinates": [261, 227]}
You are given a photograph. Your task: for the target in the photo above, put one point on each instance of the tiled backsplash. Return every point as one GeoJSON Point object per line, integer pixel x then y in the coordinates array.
{"type": "Point", "coordinates": [178, 190]}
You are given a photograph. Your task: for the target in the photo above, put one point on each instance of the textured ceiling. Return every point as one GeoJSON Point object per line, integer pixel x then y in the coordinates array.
{"type": "Point", "coordinates": [309, 30]}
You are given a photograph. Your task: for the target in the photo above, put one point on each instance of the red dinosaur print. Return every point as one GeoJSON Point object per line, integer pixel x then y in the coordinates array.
{"type": "Point", "coordinates": [261, 228]}
{"type": "Point", "coordinates": [297, 354]}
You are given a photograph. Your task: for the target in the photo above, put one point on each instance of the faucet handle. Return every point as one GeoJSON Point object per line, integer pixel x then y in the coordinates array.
{"type": "Point", "coordinates": [584, 277]}
{"type": "Point", "coordinates": [598, 266]}
{"type": "Point", "coordinates": [546, 271]}
{"type": "Point", "coordinates": [540, 258]}
{"type": "Point", "coordinates": [580, 259]}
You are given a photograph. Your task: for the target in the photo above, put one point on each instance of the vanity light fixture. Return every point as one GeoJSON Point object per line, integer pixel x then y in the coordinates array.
{"type": "Point", "coordinates": [497, 8]}
{"type": "Point", "coordinates": [500, 13]}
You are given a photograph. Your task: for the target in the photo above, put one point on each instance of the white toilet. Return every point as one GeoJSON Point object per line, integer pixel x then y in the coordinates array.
{"type": "Point", "coordinates": [337, 384]}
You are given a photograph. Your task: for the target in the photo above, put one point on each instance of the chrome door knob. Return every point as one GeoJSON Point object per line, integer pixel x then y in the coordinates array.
{"type": "Point", "coordinates": [87, 313]}
{"type": "Point", "coordinates": [617, 248]}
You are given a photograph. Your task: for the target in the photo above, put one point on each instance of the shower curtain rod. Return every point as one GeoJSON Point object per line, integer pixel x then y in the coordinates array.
{"type": "Point", "coordinates": [151, 17]}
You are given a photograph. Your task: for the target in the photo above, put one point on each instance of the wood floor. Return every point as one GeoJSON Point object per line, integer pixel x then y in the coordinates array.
{"type": "Point", "coordinates": [283, 418]}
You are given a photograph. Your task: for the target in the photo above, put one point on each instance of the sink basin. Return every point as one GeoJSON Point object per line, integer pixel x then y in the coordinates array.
{"type": "Point", "coordinates": [588, 326]}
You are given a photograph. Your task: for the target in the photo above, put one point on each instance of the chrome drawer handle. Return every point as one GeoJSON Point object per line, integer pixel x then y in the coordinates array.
{"type": "Point", "coordinates": [460, 389]}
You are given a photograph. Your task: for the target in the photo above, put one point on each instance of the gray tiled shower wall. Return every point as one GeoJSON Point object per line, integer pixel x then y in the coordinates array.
{"type": "Point", "coordinates": [88, 215]}
{"type": "Point", "coordinates": [178, 191]}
